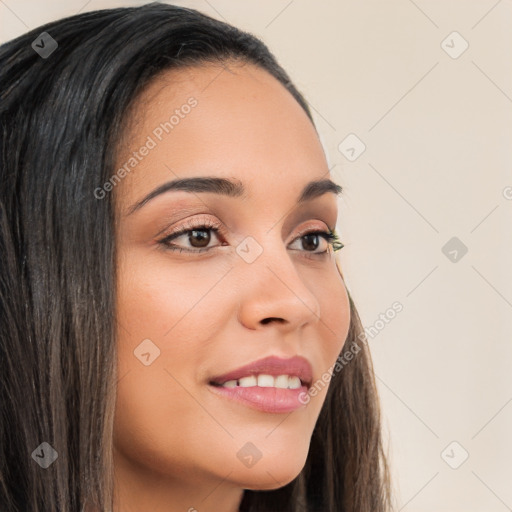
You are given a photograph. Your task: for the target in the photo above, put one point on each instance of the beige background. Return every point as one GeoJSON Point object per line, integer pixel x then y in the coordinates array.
{"type": "Point", "coordinates": [437, 164]}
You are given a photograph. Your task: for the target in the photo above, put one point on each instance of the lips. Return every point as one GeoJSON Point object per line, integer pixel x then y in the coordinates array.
{"type": "Point", "coordinates": [293, 367]}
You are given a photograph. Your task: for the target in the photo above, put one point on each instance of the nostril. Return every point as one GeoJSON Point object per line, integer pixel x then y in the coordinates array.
{"type": "Point", "coordinates": [267, 320]}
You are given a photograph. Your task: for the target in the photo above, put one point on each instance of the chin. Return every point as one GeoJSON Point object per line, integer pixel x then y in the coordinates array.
{"type": "Point", "coordinates": [271, 475]}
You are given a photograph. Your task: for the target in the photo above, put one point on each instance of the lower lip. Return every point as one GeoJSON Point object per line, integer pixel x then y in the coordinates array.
{"type": "Point", "coordinates": [272, 400]}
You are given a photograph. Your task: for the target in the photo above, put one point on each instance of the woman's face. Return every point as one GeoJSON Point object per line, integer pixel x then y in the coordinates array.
{"type": "Point", "coordinates": [197, 306]}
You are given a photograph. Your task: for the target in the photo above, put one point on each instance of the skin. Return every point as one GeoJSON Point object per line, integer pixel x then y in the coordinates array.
{"type": "Point", "coordinates": [175, 442]}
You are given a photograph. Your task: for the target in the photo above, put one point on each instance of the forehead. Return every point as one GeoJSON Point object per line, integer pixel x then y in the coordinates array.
{"type": "Point", "coordinates": [230, 120]}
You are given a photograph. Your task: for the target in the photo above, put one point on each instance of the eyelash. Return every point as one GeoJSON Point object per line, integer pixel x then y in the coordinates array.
{"type": "Point", "coordinates": [330, 236]}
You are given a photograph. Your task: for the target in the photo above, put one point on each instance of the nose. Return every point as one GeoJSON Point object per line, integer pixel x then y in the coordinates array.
{"type": "Point", "coordinates": [274, 291]}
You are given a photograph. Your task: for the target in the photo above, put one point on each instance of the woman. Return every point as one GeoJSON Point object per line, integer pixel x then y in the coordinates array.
{"type": "Point", "coordinates": [175, 330]}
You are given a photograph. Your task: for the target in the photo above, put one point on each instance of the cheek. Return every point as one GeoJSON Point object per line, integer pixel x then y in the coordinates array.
{"type": "Point", "coordinates": [333, 328]}
{"type": "Point", "coordinates": [329, 334]}
{"type": "Point", "coordinates": [156, 298]}
{"type": "Point", "coordinates": [147, 297]}
{"type": "Point", "coordinates": [161, 319]}
{"type": "Point", "coordinates": [163, 315]}
{"type": "Point", "coordinates": [335, 317]}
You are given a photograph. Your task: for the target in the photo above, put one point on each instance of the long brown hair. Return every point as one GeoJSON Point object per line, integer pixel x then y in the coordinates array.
{"type": "Point", "coordinates": [65, 89]}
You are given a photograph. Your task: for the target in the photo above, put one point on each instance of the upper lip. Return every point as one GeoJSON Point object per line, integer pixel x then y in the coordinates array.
{"type": "Point", "coordinates": [295, 366]}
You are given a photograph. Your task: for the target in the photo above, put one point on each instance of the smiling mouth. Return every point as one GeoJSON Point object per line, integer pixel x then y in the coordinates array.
{"type": "Point", "coordinates": [263, 381]}
{"type": "Point", "coordinates": [271, 385]}
{"type": "Point", "coordinates": [269, 372]}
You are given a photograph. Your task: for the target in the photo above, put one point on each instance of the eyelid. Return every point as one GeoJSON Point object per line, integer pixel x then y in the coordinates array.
{"type": "Point", "coordinates": [330, 236]}
{"type": "Point", "coordinates": [195, 223]}
{"type": "Point", "coordinates": [217, 226]}
{"type": "Point", "coordinates": [310, 229]}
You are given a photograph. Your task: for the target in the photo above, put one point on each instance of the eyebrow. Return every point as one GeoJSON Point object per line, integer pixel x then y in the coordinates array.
{"type": "Point", "coordinates": [231, 188]}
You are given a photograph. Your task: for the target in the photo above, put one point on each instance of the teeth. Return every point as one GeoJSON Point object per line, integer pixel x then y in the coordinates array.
{"type": "Point", "coordinates": [247, 382]}
{"type": "Point", "coordinates": [265, 381]}
{"type": "Point", "coordinates": [281, 382]}
{"type": "Point", "coordinates": [294, 383]}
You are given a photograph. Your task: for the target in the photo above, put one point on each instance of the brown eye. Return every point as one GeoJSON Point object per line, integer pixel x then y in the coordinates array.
{"type": "Point", "coordinates": [192, 238]}
{"type": "Point", "coordinates": [199, 238]}
{"type": "Point", "coordinates": [310, 242]}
